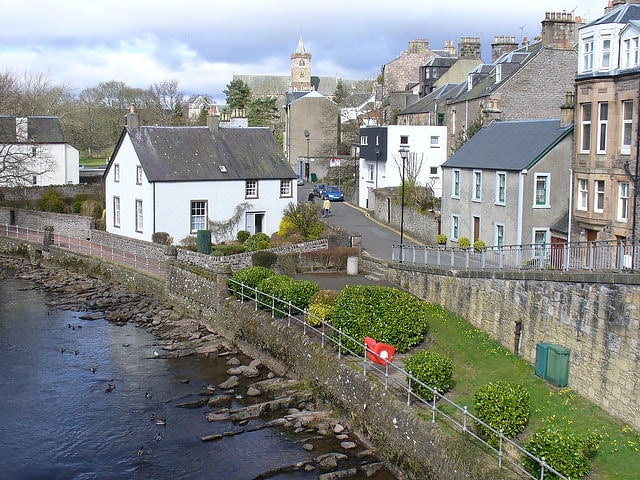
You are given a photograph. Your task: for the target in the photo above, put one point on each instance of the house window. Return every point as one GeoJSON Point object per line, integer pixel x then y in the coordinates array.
{"type": "Point", "coordinates": [138, 175]}
{"type": "Point", "coordinates": [116, 212]}
{"type": "Point", "coordinates": [585, 110]}
{"type": "Point", "coordinates": [627, 124]}
{"type": "Point", "coordinates": [364, 140]}
{"type": "Point", "coordinates": [501, 185]}
{"type": "Point", "coordinates": [404, 139]}
{"type": "Point", "coordinates": [433, 170]}
{"type": "Point", "coordinates": [477, 186]}
{"type": "Point", "coordinates": [540, 242]}
{"type": "Point", "coordinates": [598, 204]}
{"type": "Point", "coordinates": [370, 172]}
{"type": "Point", "coordinates": [499, 235]}
{"type": "Point", "coordinates": [583, 194]}
{"type": "Point", "coordinates": [634, 51]}
{"type": "Point", "coordinates": [251, 189]}
{"type": "Point", "coordinates": [587, 54]}
{"type": "Point", "coordinates": [455, 227]}
{"type": "Point", "coordinates": [623, 201]}
{"type": "Point", "coordinates": [455, 183]}
{"type": "Point", "coordinates": [435, 142]}
{"type": "Point", "coordinates": [116, 172]}
{"type": "Point", "coordinates": [626, 54]}
{"type": "Point", "coordinates": [139, 216]}
{"type": "Point", "coordinates": [285, 188]}
{"type": "Point", "coordinates": [198, 215]}
{"type": "Point", "coordinates": [541, 194]}
{"type": "Point", "coordinates": [606, 52]}
{"type": "Point", "coordinates": [603, 115]}
{"type": "Point", "coordinates": [34, 151]}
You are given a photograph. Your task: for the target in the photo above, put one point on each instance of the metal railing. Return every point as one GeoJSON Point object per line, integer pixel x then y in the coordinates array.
{"type": "Point", "coordinates": [138, 261]}
{"type": "Point", "coordinates": [618, 255]}
{"type": "Point", "coordinates": [392, 376]}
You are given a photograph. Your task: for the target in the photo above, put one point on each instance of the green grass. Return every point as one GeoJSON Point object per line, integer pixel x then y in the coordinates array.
{"type": "Point", "coordinates": [478, 359]}
{"type": "Point", "coordinates": [94, 162]}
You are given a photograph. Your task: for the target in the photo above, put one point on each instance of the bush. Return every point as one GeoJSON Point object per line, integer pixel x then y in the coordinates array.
{"type": "Point", "coordinates": [223, 249]}
{"type": "Point", "coordinates": [334, 257]}
{"type": "Point", "coordinates": [302, 219]}
{"type": "Point", "coordinates": [250, 276]}
{"type": "Point", "coordinates": [189, 243]}
{"type": "Point", "coordinates": [258, 241]}
{"type": "Point", "coordinates": [479, 245]}
{"type": "Point", "coordinates": [442, 239]}
{"type": "Point", "coordinates": [566, 452]}
{"type": "Point", "coordinates": [464, 242]}
{"type": "Point", "coordinates": [288, 262]}
{"type": "Point", "coordinates": [321, 306]}
{"type": "Point", "coordinates": [51, 201]}
{"type": "Point", "coordinates": [285, 289]}
{"type": "Point", "coordinates": [503, 406]}
{"type": "Point", "coordinates": [242, 236]}
{"type": "Point", "coordinates": [161, 238]}
{"type": "Point", "coordinates": [433, 369]}
{"type": "Point", "coordinates": [263, 258]}
{"type": "Point", "coordinates": [385, 314]}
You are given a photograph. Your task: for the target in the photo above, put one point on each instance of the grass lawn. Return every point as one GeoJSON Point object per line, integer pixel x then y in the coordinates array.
{"type": "Point", "coordinates": [478, 360]}
{"type": "Point", "coordinates": [94, 162]}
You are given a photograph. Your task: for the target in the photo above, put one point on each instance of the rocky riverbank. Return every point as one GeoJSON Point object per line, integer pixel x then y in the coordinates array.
{"type": "Point", "coordinates": [277, 401]}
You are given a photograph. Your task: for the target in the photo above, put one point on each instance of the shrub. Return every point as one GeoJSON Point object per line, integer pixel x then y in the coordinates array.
{"type": "Point", "coordinates": [51, 201]}
{"type": "Point", "coordinates": [334, 257]}
{"type": "Point", "coordinates": [302, 219]}
{"type": "Point", "coordinates": [189, 243]}
{"type": "Point", "coordinates": [242, 236]}
{"type": "Point", "coordinates": [464, 242]}
{"type": "Point", "coordinates": [386, 314]}
{"type": "Point", "coordinates": [91, 208]}
{"type": "Point", "coordinates": [479, 245]}
{"type": "Point", "coordinates": [288, 262]}
{"type": "Point", "coordinates": [442, 239]}
{"type": "Point", "coordinates": [433, 369]}
{"type": "Point", "coordinates": [503, 406]}
{"type": "Point", "coordinates": [263, 258]}
{"type": "Point", "coordinates": [568, 453]}
{"type": "Point", "coordinates": [250, 276]}
{"type": "Point", "coordinates": [161, 238]}
{"type": "Point", "coordinates": [285, 289]}
{"type": "Point", "coordinates": [223, 249]}
{"type": "Point", "coordinates": [258, 241]}
{"type": "Point", "coordinates": [321, 306]}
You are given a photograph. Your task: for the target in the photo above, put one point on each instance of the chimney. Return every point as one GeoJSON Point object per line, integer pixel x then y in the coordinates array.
{"type": "Point", "coordinates": [419, 46]}
{"type": "Point", "coordinates": [131, 119]}
{"type": "Point", "coordinates": [559, 30]}
{"type": "Point", "coordinates": [448, 47]}
{"type": "Point", "coordinates": [469, 48]}
{"type": "Point", "coordinates": [213, 119]}
{"type": "Point", "coordinates": [567, 109]}
{"type": "Point", "coordinates": [491, 111]}
{"type": "Point", "coordinates": [502, 44]}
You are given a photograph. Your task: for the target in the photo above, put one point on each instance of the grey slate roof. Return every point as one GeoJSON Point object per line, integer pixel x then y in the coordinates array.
{"type": "Point", "coordinates": [510, 145]}
{"type": "Point", "coordinates": [428, 103]}
{"type": "Point", "coordinates": [40, 129]}
{"type": "Point", "coordinates": [621, 14]}
{"type": "Point", "coordinates": [179, 154]}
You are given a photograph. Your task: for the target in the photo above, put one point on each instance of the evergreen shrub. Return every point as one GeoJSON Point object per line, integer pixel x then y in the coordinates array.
{"type": "Point", "coordinates": [250, 276]}
{"type": "Point", "coordinates": [285, 289]}
{"type": "Point", "coordinates": [464, 242]}
{"type": "Point", "coordinates": [263, 258]}
{"type": "Point", "coordinates": [242, 236]}
{"type": "Point", "coordinates": [433, 369]}
{"type": "Point", "coordinates": [503, 406]}
{"type": "Point", "coordinates": [321, 306]}
{"type": "Point", "coordinates": [258, 241]}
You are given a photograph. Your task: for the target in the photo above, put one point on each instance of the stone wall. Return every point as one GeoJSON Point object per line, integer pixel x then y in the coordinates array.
{"type": "Point", "coordinates": [596, 317]}
{"type": "Point", "coordinates": [75, 226]}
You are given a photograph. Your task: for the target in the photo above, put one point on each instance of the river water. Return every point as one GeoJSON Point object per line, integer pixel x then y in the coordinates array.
{"type": "Point", "coordinates": [58, 421]}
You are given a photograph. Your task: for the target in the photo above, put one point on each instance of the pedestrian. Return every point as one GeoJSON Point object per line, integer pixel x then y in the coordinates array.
{"type": "Point", "coordinates": [326, 207]}
{"type": "Point", "coordinates": [311, 197]}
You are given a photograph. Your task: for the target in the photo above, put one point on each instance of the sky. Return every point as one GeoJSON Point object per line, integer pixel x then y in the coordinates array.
{"type": "Point", "coordinates": [203, 43]}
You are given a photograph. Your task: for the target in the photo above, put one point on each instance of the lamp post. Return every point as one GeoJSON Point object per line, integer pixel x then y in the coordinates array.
{"type": "Point", "coordinates": [377, 158]}
{"type": "Point", "coordinates": [404, 151]}
{"type": "Point", "coordinates": [307, 166]}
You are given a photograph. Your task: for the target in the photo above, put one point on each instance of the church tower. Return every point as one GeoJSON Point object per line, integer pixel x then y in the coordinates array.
{"type": "Point", "coordinates": [301, 69]}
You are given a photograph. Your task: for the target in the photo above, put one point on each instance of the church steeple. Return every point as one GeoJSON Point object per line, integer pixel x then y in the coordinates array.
{"type": "Point", "coordinates": [300, 69]}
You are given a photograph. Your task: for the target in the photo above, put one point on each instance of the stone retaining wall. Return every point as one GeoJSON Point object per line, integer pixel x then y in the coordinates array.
{"type": "Point", "coordinates": [75, 226]}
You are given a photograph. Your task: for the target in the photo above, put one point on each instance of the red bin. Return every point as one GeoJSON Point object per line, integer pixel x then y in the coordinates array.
{"type": "Point", "coordinates": [379, 352]}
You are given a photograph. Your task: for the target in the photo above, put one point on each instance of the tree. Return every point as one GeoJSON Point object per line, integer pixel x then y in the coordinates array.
{"type": "Point", "coordinates": [166, 101]}
{"type": "Point", "coordinates": [340, 93]}
{"type": "Point", "coordinates": [262, 112]}
{"type": "Point", "coordinates": [238, 95]}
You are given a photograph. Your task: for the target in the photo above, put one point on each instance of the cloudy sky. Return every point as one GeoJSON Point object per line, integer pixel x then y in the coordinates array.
{"type": "Point", "coordinates": [202, 43]}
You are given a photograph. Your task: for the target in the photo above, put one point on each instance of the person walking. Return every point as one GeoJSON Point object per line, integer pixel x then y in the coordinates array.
{"type": "Point", "coordinates": [311, 196]}
{"type": "Point", "coordinates": [326, 207]}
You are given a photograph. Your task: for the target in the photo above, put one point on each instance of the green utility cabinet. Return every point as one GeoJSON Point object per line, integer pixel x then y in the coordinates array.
{"type": "Point", "coordinates": [552, 363]}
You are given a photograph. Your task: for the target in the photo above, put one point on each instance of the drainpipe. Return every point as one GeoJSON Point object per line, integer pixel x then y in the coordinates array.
{"type": "Point", "coordinates": [570, 205]}
{"type": "Point", "coordinates": [521, 179]}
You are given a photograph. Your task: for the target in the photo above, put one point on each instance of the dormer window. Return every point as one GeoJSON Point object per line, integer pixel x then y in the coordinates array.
{"type": "Point", "coordinates": [587, 54]}
{"type": "Point", "coordinates": [605, 62]}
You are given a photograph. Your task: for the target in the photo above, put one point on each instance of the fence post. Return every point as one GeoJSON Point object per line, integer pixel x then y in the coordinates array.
{"type": "Point", "coordinates": [364, 359]}
{"type": "Point", "coordinates": [48, 236]}
{"type": "Point", "coordinates": [500, 453]}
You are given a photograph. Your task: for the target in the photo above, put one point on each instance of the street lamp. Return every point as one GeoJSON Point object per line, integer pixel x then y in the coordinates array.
{"type": "Point", "coordinates": [307, 167]}
{"type": "Point", "coordinates": [377, 158]}
{"type": "Point", "coordinates": [404, 152]}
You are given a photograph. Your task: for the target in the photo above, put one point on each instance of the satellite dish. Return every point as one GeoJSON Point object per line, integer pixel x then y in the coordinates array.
{"type": "Point", "coordinates": [306, 133]}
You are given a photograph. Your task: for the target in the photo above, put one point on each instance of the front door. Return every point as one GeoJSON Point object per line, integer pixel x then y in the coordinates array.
{"type": "Point", "coordinates": [254, 222]}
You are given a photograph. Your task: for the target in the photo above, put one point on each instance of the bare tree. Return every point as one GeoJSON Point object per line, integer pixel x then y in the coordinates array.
{"type": "Point", "coordinates": [412, 166]}
{"type": "Point", "coordinates": [166, 103]}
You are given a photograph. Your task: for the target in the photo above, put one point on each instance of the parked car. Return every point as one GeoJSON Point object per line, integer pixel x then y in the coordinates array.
{"type": "Point", "coordinates": [333, 193]}
{"type": "Point", "coordinates": [300, 181]}
{"type": "Point", "coordinates": [318, 189]}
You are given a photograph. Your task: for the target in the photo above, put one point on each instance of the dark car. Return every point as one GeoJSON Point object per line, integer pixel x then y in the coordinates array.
{"type": "Point", "coordinates": [318, 189]}
{"type": "Point", "coordinates": [333, 193]}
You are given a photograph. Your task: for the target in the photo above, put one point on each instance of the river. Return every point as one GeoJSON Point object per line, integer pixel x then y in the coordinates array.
{"type": "Point", "coordinates": [60, 421]}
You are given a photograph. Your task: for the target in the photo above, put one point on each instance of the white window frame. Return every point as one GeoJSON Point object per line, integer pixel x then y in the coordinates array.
{"type": "Point", "coordinates": [116, 212]}
{"type": "Point", "coordinates": [540, 247]}
{"type": "Point", "coordinates": [605, 52]}
{"type": "Point", "coordinates": [251, 189]}
{"type": "Point", "coordinates": [627, 127]}
{"type": "Point", "coordinates": [603, 117]}
{"type": "Point", "coordinates": [635, 51]}
{"type": "Point", "coordinates": [139, 216]}
{"type": "Point", "coordinates": [623, 202]}
{"type": "Point", "coordinates": [116, 172]}
{"type": "Point", "coordinates": [583, 194]}
{"type": "Point", "coordinates": [455, 183]}
{"type": "Point", "coordinates": [598, 195]}
{"type": "Point", "coordinates": [435, 141]}
{"type": "Point", "coordinates": [198, 215]}
{"type": "Point", "coordinates": [364, 140]}
{"type": "Point", "coordinates": [587, 54]}
{"type": "Point", "coordinates": [455, 228]}
{"type": "Point", "coordinates": [501, 188]}
{"type": "Point", "coordinates": [586, 114]}
{"type": "Point", "coordinates": [138, 175]}
{"type": "Point", "coordinates": [626, 53]}
{"type": "Point", "coordinates": [476, 188]}
{"type": "Point", "coordinates": [545, 203]}
{"type": "Point", "coordinates": [370, 172]}
{"type": "Point", "coordinates": [286, 188]}
{"type": "Point", "coordinates": [498, 235]}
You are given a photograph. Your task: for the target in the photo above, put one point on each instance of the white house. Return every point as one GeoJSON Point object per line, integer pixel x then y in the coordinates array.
{"type": "Point", "coordinates": [34, 152]}
{"type": "Point", "coordinates": [180, 180]}
{"type": "Point", "coordinates": [381, 164]}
